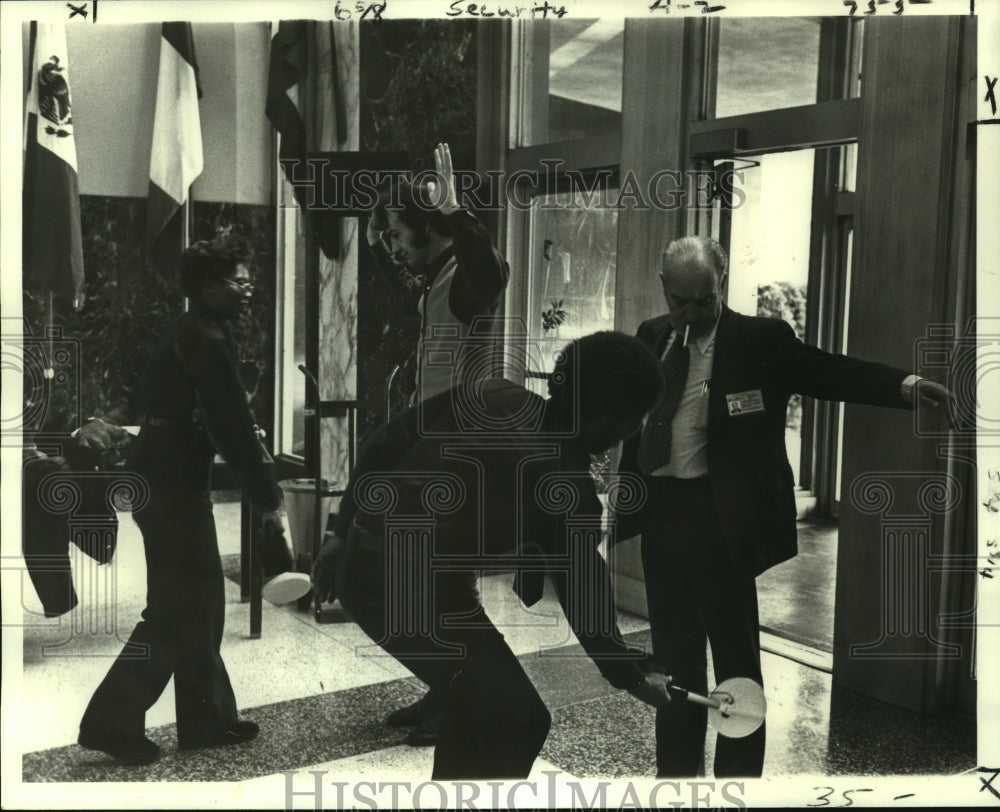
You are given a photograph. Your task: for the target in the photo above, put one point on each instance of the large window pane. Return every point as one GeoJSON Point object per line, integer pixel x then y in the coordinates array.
{"type": "Point", "coordinates": [766, 63]}
{"type": "Point", "coordinates": [580, 94]}
{"type": "Point", "coordinates": [769, 253]}
{"type": "Point", "coordinates": [849, 168]}
{"type": "Point", "coordinates": [571, 290]}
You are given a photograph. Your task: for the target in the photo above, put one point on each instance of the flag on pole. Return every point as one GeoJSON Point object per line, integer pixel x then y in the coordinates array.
{"type": "Point", "coordinates": [52, 242]}
{"type": "Point", "coordinates": [307, 116]}
{"type": "Point", "coordinates": [176, 156]}
{"type": "Point", "coordinates": [287, 66]}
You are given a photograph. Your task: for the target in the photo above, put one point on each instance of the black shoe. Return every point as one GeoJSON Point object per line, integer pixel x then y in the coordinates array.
{"type": "Point", "coordinates": [420, 711]}
{"type": "Point", "coordinates": [426, 733]}
{"type": "Point", "coordinates": [236, 733]}
{"type": "Point", "coordinates": [239, 732]}
{"type": "Point", "coordinates": [126, 750]}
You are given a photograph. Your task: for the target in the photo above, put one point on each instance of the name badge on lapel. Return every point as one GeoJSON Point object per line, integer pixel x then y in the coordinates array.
{"type": "Point", "coordinates": [745, 402]}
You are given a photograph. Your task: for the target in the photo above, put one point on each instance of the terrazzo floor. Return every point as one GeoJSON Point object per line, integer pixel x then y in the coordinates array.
{"type": "Point", "coordinates": [321, 705]}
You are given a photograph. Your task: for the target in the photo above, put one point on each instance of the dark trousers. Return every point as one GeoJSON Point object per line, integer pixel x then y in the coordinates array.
{"type": "Point", "coordinates": [180, 633]}
{"type": "Point", "coordinates": [694, 592]}
{"type": "Point", "coordinates": [495, 723]}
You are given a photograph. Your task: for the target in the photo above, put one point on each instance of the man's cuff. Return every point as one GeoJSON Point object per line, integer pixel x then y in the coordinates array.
{"type": "Point", "coordinates": [342, 525]}
{"type": "Point", "coordinates": [623, 672]}
{"type": "Point", "coordinates": [624, 676]}
{"type": "Point", "coordinates": [906, 387]}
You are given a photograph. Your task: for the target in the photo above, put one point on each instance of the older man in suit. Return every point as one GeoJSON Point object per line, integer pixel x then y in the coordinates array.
{"type": "Point", "coordinates": [721, 506]}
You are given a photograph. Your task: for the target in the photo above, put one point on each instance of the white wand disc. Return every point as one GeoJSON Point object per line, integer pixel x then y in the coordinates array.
{"type": "Point", "coordinates": [742, 708]}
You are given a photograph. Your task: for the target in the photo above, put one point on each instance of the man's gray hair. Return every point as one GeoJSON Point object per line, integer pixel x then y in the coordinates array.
{"type": "Point", "coordinates": [697, 249]}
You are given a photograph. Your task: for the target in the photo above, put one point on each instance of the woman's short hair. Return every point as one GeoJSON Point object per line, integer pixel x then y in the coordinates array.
{"type": "Point", "coordinates": [610, 374]}
{"type": "Point", "coordinates": [212, 259]}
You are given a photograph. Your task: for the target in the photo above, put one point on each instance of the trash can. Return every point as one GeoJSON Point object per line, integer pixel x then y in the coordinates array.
{"type": "Point", "coordinates": [300, 502]}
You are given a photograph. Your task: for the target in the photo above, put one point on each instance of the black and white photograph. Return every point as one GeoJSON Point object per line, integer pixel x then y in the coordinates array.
{"type": "Point", "coordinates": [500, 404]}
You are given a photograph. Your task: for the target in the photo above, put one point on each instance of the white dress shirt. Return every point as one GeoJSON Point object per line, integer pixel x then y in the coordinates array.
{"type": "Point", "coordinates": [689, 441]}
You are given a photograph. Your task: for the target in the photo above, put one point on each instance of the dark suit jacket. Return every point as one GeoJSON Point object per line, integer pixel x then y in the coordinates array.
{"type": "Point", "coordinates": [46, 533]}
{"type": "Point", "coordinates": [511, 507]}
{"type": "Point", "coordinates": [192, 379]}
{"type": "Point", "coordinates": [748, 466]}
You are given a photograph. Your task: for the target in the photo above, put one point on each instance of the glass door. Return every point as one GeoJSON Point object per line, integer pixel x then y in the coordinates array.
{"type": "Point", "coordinates": [785, 131]}
{"type": "Point", "coordinates": [769, 254]}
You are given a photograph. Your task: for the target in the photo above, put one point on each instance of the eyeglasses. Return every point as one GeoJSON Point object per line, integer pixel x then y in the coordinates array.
{"type": "Point", "coordinates": [245, 285]}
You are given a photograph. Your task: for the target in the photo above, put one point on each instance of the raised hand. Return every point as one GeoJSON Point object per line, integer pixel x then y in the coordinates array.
{"type": "Point", "coordinates": [444, 198]}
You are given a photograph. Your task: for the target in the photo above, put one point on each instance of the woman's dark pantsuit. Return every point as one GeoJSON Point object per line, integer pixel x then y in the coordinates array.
{"type": "Point", "coordinates": [180, 633]}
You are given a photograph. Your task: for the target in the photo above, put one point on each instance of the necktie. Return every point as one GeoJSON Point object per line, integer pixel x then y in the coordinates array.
{"type": "Point", "coordinates": [654, 445]}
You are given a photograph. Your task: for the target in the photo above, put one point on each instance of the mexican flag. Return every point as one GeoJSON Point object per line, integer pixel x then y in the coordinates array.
{"type": "Point", "coordinates": [52, 242]}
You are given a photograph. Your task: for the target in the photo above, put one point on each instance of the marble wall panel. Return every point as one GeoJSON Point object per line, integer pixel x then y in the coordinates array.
{"type": "Point", "coordinates": [338, 277]}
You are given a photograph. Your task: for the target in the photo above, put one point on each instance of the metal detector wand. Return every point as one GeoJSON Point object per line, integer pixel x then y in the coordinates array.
{"type": "Point", "coordinates": [736, 707]}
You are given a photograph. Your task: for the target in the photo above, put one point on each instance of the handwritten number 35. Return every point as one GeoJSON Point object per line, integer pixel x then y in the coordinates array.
{"type": "Point", "coordinates": [825, 797]}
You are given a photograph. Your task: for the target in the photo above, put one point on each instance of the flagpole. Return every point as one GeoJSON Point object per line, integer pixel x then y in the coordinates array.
{"type": "Point", "coordinates": [50, 371]}
{"type": "Point", "coordinates": [186, 235]}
